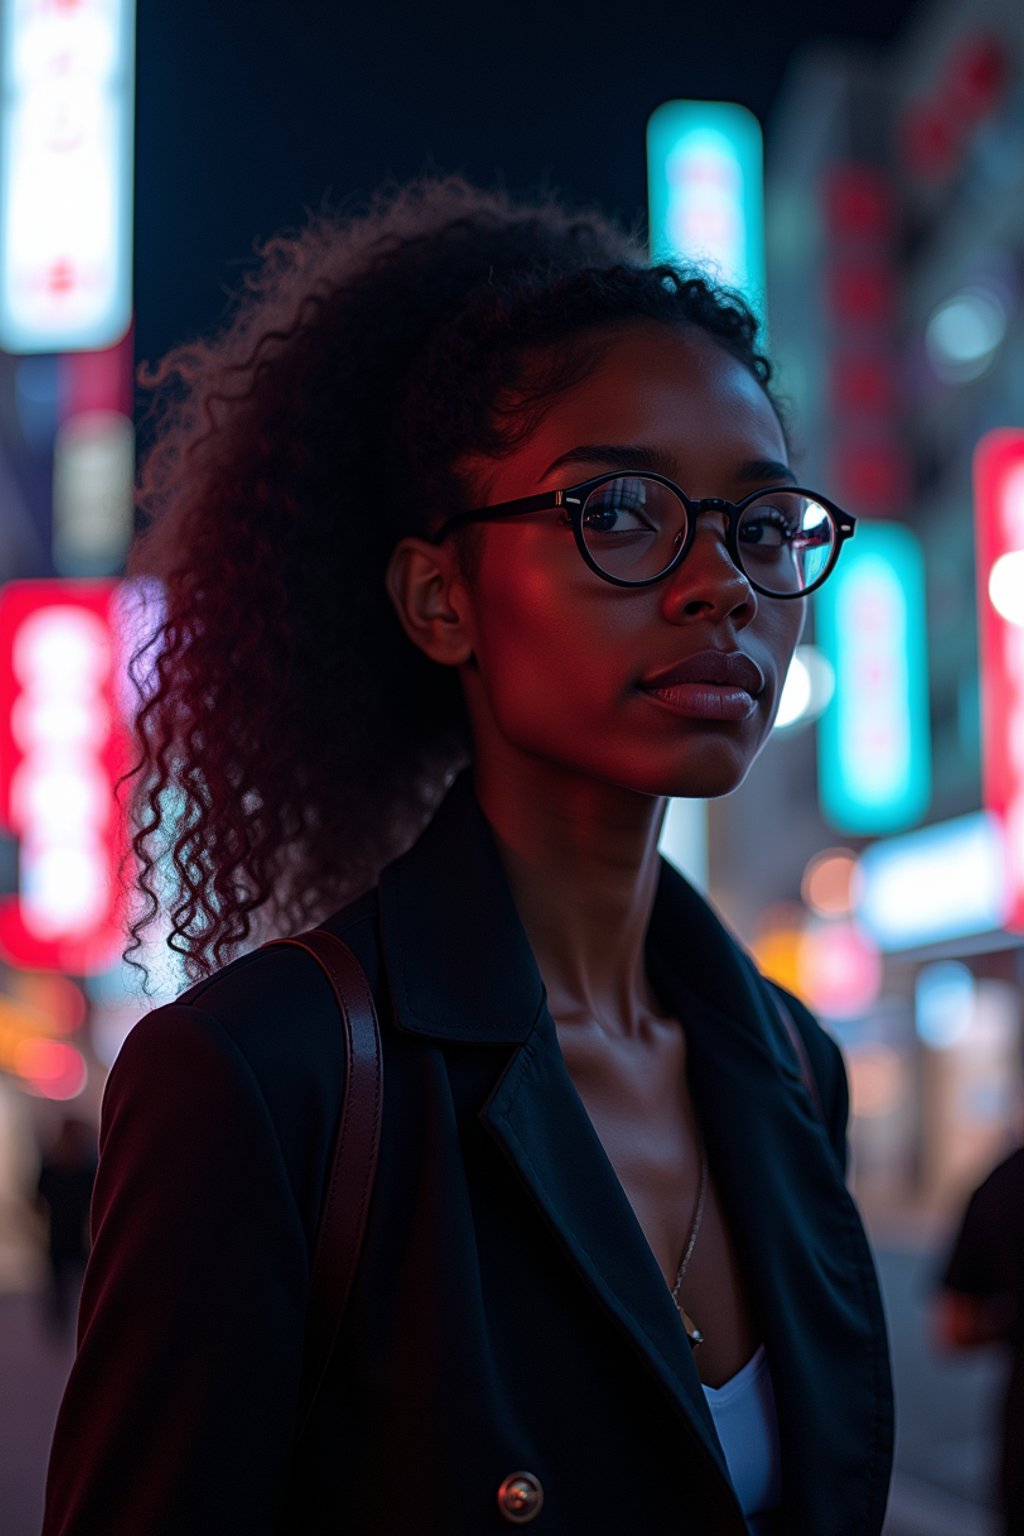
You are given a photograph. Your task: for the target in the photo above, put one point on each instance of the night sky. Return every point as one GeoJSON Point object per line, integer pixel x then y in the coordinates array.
{"type": "Point", "coordinates": [250, 113]}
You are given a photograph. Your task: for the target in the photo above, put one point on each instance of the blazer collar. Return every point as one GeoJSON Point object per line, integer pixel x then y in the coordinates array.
{"type": "Point", "coordinates": [460, 964]}
{"type": "Point", "coordinates": [458, 960]}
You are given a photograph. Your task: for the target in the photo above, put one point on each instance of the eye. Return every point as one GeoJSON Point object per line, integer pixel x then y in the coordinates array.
{"type": "Point", "coordinates": [785, 521]}
{"type": "Point", "coordinates": [619, 507]}
{"type": "Point", "coordinates": [769, 526]}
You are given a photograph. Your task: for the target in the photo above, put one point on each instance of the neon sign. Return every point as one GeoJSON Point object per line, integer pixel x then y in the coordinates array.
{"type": "Point", "coordinates": [66, 139]}
{"type": "Point", "coordinates": [63, 744]}
{"type": "Point", "coordinates": [874, 757]}
{"type": "Point", "coordinates": [706, 191]}
{"type": "Point", "coordinates": [940, 882]}
{"type": "Point", "coordinates": [999, 540]}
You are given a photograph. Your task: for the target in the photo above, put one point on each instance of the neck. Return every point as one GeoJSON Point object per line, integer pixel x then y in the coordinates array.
{"type": "Point", "coordinates": [581, 859]}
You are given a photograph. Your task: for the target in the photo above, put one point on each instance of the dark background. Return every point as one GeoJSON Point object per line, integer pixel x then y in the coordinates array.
{"type": "Point", "coordinates": [249, 112]}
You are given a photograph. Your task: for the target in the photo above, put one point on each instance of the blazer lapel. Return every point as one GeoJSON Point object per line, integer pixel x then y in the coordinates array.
{"type": "Point", "coordinates": [539, 1122]}
{"type": "Point", "coordinates": [460, 968]}
{"type": "Point", "coordinates": [797, 1231]}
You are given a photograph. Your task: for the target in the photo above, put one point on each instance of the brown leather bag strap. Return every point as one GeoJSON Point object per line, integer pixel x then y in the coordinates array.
{"type": "Point", "coordinates": [354, 1161]}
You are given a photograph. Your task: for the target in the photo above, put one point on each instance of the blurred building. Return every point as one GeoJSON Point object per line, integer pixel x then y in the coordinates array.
{"type": "Point", "coordinates": [66, 617]}
{"type": "Point", "coordinates": [895, 248]}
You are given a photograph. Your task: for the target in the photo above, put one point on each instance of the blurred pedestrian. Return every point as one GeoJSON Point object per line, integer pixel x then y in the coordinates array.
{"type": "Point", "coordinates": [981, 1302]}
{"type": "Point", "coordinates": [63, 1190]}
{"type": "Point", "coordinates": [478, 543]}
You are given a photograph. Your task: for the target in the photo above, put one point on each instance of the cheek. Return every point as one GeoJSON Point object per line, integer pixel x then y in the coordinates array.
{"type": "Point", "coordinates": [547, 652]}
{"type": "Point", "coordinates": [779, 630]}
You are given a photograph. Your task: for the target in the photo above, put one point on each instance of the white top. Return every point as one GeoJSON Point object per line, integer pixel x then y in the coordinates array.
{"type": "Point", "coordinates": [743, 1410]}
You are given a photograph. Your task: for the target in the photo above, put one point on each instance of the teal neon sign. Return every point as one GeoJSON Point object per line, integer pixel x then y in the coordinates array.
{"type": "Point", "coordinates": [705, 192]}
{"type": "Point", "coordinates": [874, 750]}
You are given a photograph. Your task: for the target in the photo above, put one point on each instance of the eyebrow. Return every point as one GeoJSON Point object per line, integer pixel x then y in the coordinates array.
{"type": "Point", "coordinates": [661, 462]}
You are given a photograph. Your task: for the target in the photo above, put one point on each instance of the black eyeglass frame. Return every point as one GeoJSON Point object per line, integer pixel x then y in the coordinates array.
{"type": "Point", "coordinates": [573, 500]}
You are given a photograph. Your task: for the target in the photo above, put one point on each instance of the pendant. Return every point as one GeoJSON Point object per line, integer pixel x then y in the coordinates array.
{"type": "Point", "coordinates": [693, 1333]}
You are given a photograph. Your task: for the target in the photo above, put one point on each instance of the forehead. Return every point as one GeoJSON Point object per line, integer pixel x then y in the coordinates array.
{"type": "Point", "coordinates": [674, 389]}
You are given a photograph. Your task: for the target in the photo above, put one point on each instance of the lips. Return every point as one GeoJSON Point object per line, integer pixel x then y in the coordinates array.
{"type": "Point", "coordinates": [722, 669]}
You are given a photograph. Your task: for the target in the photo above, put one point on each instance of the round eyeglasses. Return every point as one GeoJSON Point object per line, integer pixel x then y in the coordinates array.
{"type": "Point", "coordinates": [634, 529]}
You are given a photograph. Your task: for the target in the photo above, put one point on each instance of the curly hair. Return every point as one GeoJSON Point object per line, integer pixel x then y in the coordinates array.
{"type": "Point", "coordinates": [292, 740]}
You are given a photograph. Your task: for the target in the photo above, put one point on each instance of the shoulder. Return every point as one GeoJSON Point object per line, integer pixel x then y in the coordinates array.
{"type": "Point", "coordinates": [269, 1017]}
{"type": "Point", "coordinates": [982, 1256]}
{"type": "Point", "coordinates": [826, 1063]}
{"type": "Point", "coordinates": [275, 1001]}
{"type": "Point", "coordinates": [274, 975]}
{"type": "Point", "coordinates": [257, 1048]}
{"type": "Point", "coordinates": [1001, 1194]}
{"type": "Point", "coordinates": [820, 1044]}
{"type": "Point", "coordinates": [1008, 1176]}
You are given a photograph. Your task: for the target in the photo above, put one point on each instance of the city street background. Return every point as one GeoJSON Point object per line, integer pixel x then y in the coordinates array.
{"type": "Point", "coordinates": [875, 863]}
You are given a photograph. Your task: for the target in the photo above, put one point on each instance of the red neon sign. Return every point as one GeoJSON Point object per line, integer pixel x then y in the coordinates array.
{"type": "Point", "coordinates": [63, 744]}
{"type": "Point", "coordinates": [999, 532]}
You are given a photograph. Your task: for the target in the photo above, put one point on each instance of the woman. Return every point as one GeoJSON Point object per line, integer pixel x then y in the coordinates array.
{"type": "Point", "coordinates": [446, 625]}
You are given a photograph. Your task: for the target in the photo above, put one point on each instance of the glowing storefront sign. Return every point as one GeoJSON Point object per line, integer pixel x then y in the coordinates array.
{"type": "Point", "coordinates": [66, 138]}
{"type": "Point", "coordinates": [940, 882]}
{"type": "Point", "coordinates": [999, 537]}
{"type": "Point", "coordinates": [874, 752]}
{"type": "Point", "coordinates": [705, 183]}
{"type": "Point", "coordinates": [63, 744]}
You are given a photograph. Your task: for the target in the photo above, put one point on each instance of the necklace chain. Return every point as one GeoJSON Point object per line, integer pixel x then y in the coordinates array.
{"type": "Point", "coordinates": [693, 1333]}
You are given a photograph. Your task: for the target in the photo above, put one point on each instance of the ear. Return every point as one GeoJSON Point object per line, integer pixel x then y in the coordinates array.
{"type": "Point", "coordinates": [431, 600]}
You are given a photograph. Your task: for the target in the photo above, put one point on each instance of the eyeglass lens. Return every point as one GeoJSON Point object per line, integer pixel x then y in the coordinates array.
{"type": "Point", "coordinates": [633, 526]}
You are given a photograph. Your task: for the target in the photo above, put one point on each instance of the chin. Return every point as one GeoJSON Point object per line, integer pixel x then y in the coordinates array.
{"type": "Point", "coordinates": [712, 769]}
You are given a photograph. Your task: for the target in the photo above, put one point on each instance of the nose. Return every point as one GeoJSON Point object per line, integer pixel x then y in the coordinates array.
{"type": "Point", "coordinates": [708, 584]}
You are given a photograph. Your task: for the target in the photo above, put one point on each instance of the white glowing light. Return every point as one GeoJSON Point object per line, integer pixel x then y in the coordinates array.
{"type": "Point", "coordinates": [964, 332]}
{"type": "Point", "coordinates": [807, 690]}
{"type": "Point", "coordinates": [63, 884]}
{"type": "Point", "coordinates": [796, 694]}
{"type": "Point", "coordinates": [944, 1000]}
{"type": "Point", "coordinates": [1006, 586]}
{"type": "Point", "coordinates": [941, 882]}
{"type": "Point", "coordinates": [61, 651]}
{"type": "Point", "coordinates": [684, 839]}
{"type": "Point", "coordinates": [57, 720]}
{"type": "Point", "coordinates": [68, 798]}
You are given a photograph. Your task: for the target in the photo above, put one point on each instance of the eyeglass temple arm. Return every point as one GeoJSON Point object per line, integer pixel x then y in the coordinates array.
{"type": "Point", "coordinates": [539, 503]}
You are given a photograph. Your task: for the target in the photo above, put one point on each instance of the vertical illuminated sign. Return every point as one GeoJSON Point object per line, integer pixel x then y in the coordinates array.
{"type": "Point", "coordinates": [705, 204]}
{"type": "Point", "coordinates": [705, 182]}
{"type": "Point", "coordinates": [66, 136]}
{"type": "Point", "coordinates": [874, 757]}
{"type": "Point", "coordinates": [999, 544]}
{"type": "Point", "coordinates": [63, 744]}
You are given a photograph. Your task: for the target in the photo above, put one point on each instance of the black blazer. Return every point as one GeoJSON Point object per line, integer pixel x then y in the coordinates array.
{"type": "Point", "coordinates": [508, 1314]}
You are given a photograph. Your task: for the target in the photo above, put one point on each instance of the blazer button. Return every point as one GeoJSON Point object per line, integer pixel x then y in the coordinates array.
{"type": "Point", "coordinates": [520, 1497]}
